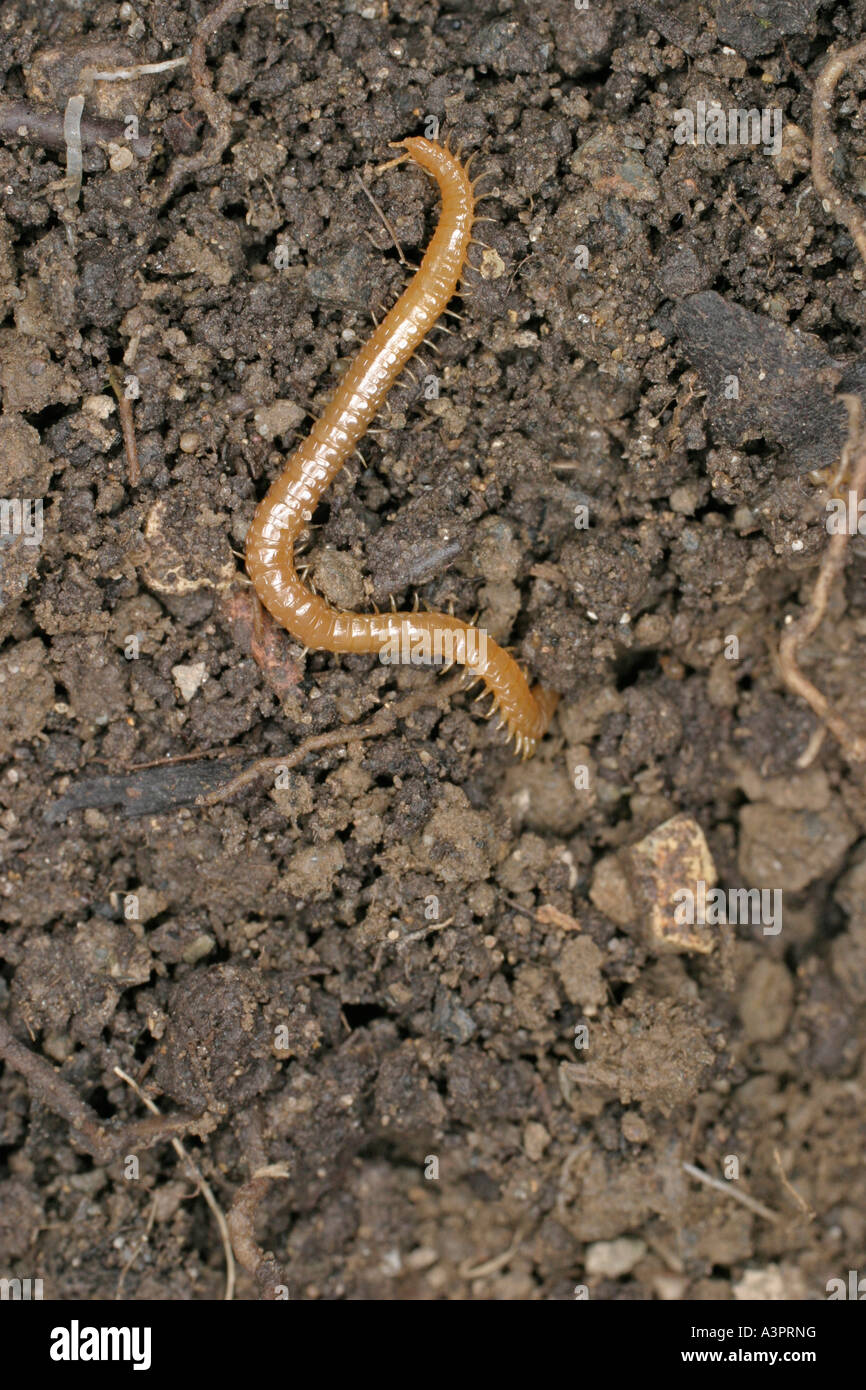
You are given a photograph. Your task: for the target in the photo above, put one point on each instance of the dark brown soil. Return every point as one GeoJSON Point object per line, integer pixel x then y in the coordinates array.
{"type": "Point", "coordinates": [380, 957]}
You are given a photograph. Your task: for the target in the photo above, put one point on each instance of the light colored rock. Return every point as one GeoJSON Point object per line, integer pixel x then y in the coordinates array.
{"type": "Point", "coordinates": [610, 1259]}
{"type": "Point", "coordinates": [279, 418]}
{"type": "Point", "coordinates": [610, 891]}
{"type": "Point", "coordinates": [771, 1284]}
{"type": "Point", "coordinates": [674, 859]}
{"type": "Point", "coordinates": [579, 968]}
{"type": "Point", "coordinates": [189, 679]}
{"type": "Point", "coordinates": [535, 1140]}
{"type": "Point", "coordinates": [767, 1001]}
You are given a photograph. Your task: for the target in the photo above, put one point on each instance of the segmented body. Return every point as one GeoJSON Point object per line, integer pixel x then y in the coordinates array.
{"type": "Point", "coordinates": [287, 509]}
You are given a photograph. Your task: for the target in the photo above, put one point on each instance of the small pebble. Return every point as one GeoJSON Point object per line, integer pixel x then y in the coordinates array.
{"type": "Point", "coordinates": [189, 679]}
{"type": "Point", "coordinates": [610, 1259]}
{"type": "Point", "coordinates": [535, 1140]}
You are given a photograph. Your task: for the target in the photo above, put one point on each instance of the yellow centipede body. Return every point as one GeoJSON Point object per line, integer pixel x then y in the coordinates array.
{"type": "Point", "coordinates": [288, 507]}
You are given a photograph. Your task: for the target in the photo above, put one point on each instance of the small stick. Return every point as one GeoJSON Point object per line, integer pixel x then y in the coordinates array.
{"type": "Point", "coordinates": [825, 144]}
{"type": "Point", "coordinates": [139, 1246]}
{"type": "Point", "coordinates": [730, 1189]}
{"type": "Point", "coordinates": [205, 1188]}
{"type": "Point", "coordinates": [51, 1090]}
{"type": "Point", "coordinates": [331, 739]}
{"type": "Point", "coordinates": [422, 932]}
{"type": "Point", "coordinates": [789, 1187]}
{"type": "Point", "coordinates": [40, 125]}
{"type": "Point", "coordinates": [214, 105]}
{"type": "Point", "coordinates": [824, 147]}
{"type": "Point", "coordinates": [832, 564]}
{"type": "Point", "coordinates": [382, 722]}
{"type": "Point", "coordinates": [241, 1224]}
{"type": "Point", "coordinates": [127, 427]}
{"type": "Point", "coordinates": [174, 758]}
{"type": "Point", "coordinates": [469, 1271]}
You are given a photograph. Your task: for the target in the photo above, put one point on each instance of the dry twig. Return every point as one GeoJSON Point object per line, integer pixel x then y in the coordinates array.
{"type": "Point", "coordinates": [824, 147]}
{"type": "Point", "coordinates": [127, 427]}
{"type": "Point", "coordinates": [383, 722]}
{"type": "Point", "coordinates": [789, 1187]}
{"type": "Point", "coordinates": [825, 144]}
{"type": "Point", "coordinates": [104, 1144]}
{"type": "Point", "coordinates": [215, 106]}
{"type": "Point", "coordinates": [731, 1189]}
{"type": "Point", "coordinates": [241, 1224]}
{"type": "Point", "coordinates": [853, 745]}
{"type": "Point", "coordinates": [206, 1190]}
{"type": "Point", "coordinates": [41, 125]}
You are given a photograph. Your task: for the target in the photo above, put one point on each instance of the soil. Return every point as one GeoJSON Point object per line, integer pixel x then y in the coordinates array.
{"type": "Point", "coordinates": [371, 970]}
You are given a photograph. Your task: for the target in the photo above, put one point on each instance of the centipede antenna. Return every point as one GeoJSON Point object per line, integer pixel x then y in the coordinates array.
{"type": "Point", "coordinates": [392, 163]}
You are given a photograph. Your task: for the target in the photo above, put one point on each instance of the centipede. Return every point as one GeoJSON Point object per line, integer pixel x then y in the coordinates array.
{"type": "Point", "coordinates": [283, 516]}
